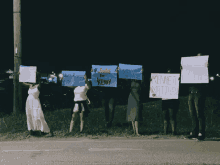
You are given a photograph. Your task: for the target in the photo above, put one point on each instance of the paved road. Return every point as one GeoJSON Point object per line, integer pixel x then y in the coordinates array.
{"type": "Point", "coordinates": [109, 151]}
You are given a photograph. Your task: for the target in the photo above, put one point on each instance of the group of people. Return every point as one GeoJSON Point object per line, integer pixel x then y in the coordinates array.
{"type": "Point", "coordinates": [196, 103]}
{"type": "Point", "coordinates": [36, 120]}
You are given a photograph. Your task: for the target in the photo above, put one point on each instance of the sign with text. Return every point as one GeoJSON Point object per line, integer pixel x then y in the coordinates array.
{"type": "Point", "coordinates": [73, 78]}
{"type": "Point", "coordinates": [164, 85]}
{"type": "Point", "coordinates": [27, 74]}
{"type": "Point", "coordinates": [104, 75]}
{"type": "Point", "coordinates": [195, 69]}
{"type": "Point", "coordinates": [127, 71]}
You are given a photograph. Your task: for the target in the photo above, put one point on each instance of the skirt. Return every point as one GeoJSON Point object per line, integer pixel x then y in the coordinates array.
{"type": "Point", "coordinates": [79, 106]}
{"type": "Point", "coordinates": [35, 116]}
{"type": "Point", "coordinates": [134, 110]}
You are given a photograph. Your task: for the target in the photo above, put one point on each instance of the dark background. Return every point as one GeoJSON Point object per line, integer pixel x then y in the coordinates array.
{"type": "Point", "coordinates": [157, 35]}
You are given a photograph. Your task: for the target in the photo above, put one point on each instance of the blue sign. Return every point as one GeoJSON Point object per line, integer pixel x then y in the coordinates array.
{"type": "Point", "coordinates": [44, 78]}
{"type": "Point", "coordinates": [104, 75]}
{"type": "Point", "coordinates": [73, 78]}
{"type": "Point", "coordinates": [127, 71]}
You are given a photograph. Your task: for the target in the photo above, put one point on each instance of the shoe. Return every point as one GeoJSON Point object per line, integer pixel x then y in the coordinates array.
{"type": "Point", "coordinates": [200, 137]}
{"type": "Point", "coordinates": [191, 136]}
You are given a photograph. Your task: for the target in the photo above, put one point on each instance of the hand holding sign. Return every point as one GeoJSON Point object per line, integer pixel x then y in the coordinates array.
{"type": "Point", "coordinates": [27, 74]}
{"type": "Point", "coordinates": [164, 86]}
{"type": "Point", "coordinates": [104, 77]}
{"type": "Point", "coordinates": [195, 69]}
{"type": "Point", "coordinates": [127, 71]}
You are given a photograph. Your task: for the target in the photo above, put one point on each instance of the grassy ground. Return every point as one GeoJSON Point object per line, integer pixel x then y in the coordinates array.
{"type": "Point", "coordinates": [15, 127]}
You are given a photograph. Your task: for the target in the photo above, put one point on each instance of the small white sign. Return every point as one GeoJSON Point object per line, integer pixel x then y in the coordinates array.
{"type": "Point", "coordinates": [27, 74]}
{"type": "Point", "coordinates": [194, 69]}
{"type": "Point", "coordinates": [164, 85]}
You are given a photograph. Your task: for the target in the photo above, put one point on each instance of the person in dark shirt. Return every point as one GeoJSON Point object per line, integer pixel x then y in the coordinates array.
{"type": "Point", "coordinates": [170, 108]}
{"type": "Point", "coordinates": [196, 102]}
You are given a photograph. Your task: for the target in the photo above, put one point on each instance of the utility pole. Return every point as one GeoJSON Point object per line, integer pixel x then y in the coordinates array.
{"type": "Point", "coordinates": [17, 97]}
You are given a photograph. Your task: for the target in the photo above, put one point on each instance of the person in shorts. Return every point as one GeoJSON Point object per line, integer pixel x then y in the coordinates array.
{"type": "Point", "coordinates": [80, 104]}
{"type": "Point", "coordinates": [170, 108]}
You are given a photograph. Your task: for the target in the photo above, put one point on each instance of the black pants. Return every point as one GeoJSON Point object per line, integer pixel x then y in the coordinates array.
{"type": "Point", "coordinates": [196, 104]}
{"type": "Point", "coordinates": [109, 106]}
{"type": "Point", "coordinates": [170, 108]}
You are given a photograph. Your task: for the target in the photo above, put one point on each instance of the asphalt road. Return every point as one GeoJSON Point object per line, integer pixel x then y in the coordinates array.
{"type": "Point", "coordinates": [109, 151]}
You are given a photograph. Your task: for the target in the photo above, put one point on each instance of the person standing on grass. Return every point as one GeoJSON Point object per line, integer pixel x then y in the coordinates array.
{"type": "Point", "coordinates": [196, 102]}
{"type": "Point", "coordinates": [35, 116]}
{"type": "Point", "coordinates": [80, 104]}
{"type": "Point", "coordinates": [107, 97]}
{"type": "Point", "coordinates": [170, 108]}
{"type": "Point", "coordinates": [134, 110]}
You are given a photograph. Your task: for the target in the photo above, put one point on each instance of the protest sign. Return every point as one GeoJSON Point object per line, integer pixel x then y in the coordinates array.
{"type": "Point", "coordinates": [104, 75]}
{"type": "Point", "coordinates": [164, 85]}
{"type": "Point", "coordinates": [27, 74]}
{"type": "Point", "coordinates": [194, 69]}
{"type": "Point", "coordinates": [127, 71]}
{"type": "Point", "coordinates": [73, 78]}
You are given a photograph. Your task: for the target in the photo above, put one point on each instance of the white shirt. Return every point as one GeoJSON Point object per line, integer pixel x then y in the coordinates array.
{"type": "Point", "coordinates": [80, 93]}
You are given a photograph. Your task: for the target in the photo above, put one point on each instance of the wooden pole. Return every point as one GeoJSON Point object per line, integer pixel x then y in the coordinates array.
{"type": "Point", "coordinates": [17, 98]}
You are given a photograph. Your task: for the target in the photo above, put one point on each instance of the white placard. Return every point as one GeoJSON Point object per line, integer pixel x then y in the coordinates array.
{"type": "Point", "coordinates": [194, 69]}
{"type": "Point", "coordinates": [28, 74]}
{"type": "Point", "coordinates": [164, 85]}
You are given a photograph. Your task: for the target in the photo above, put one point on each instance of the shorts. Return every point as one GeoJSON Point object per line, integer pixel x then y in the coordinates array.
{"type": "Point", "coordinates": [172, 104]}
{"type": "Point", "coordinates": [79, 106]}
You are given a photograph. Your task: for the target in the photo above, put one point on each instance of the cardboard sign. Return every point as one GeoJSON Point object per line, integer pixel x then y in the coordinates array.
{"type": "Point", "coordinates": [127, 71]}
{"type": "Point", "coordinates": [164, 85]}
{"type": "Point", "coordinates": [27, 74]}
{"type": "Point", "coordinates": [73, 78]}
{"type": "Point", "coordinates": [104, 75]}
{"type": "Point", "coordinates": [194, 69]}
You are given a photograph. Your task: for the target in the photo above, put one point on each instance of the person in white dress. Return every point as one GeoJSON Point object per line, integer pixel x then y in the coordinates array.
{"type": "Point", "coordinates": [80, 104]}
{"type": "Point", "coordinates": [34, 113]}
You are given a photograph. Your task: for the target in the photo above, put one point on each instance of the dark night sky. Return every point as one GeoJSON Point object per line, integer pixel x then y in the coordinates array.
{"type": "Point", "coordinates": [155, 35]}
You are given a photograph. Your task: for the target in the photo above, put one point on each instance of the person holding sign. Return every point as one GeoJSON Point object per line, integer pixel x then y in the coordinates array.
{"type": "Point", "coordinates": [196, 102]}
{"type": "Point", "coordinates": [80, 104]}
{"type": "Point", "coordinates": [35, 116]}
{"type": "Point", "coordinates": [170, 108]}
{"type": "Point", "coordinates": [106, 88]}
{"type": "Point", "coordinates": [134, 110]}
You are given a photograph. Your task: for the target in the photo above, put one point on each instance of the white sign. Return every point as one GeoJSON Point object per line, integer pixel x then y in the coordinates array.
{"type": "Point", "coordinates": [164, 85]}
{"type": "Point", "coordinates": [194, 69]}
{"type": "Point", "coordinates": [27, 74]}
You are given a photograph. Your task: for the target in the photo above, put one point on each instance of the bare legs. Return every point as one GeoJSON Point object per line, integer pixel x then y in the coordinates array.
{"type": "Point", "coordinates": [135, 127]}
{"type": "Point", "coordinates": [74, 117]}
{"type": "Point", "coordinates": [81, 121]}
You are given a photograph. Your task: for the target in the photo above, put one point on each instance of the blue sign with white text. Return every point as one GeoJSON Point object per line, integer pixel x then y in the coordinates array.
{"type": "Point", "coordinates": [104, 75]}
{"type": "Point", "coordinates": [73, 78]}
{"type": "Point", "coordinates": [127, 71]}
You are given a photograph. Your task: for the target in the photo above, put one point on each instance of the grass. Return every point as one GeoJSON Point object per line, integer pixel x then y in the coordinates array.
{"type": "Point", "coordinates": [15, 127]}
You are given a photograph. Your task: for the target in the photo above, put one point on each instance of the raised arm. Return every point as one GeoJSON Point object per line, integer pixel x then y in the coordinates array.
{"type": "Point", "coordinates": [87, 82]}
